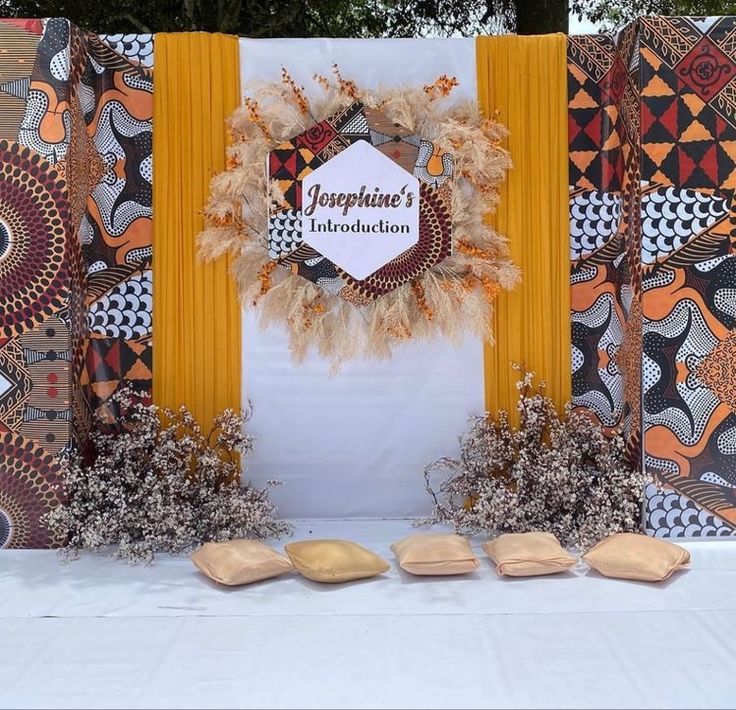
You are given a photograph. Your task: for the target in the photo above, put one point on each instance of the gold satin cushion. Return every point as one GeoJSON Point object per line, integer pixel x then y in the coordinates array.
{"type": "Point", "coordinates": [636, 556]}
{"type": "Point", "coordinates": [240, 561]}
{"type": "Point", "coordinates": [528, 554]}
{"type": "Point", "coordinates": [431, 554]}
{"type": "Point", "coordinates": [334, 561]}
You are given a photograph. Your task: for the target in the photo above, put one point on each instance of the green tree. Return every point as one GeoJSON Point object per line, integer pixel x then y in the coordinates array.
{"type": "Point", "coordinates": [305, 18]}
{"type": "Point", "coordinates": [613, 16]}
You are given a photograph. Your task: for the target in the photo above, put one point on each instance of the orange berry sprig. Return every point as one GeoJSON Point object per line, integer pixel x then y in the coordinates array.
{"type": "Point", "coordinates": [471, 250]}
{"type": "Point", "coordinates": [418, 291]}
{"type": "Point", "coordinates": [228, 219]}
{"type": "Point", "coordinates": [346, 87]}
{"type": "Point", "coordinates": [233, 161]}
{"type": "Point", "coordinates": [323, 81]}
{"type": "Point", "coordinates": [490, 288]}
{"type": "Point", "coordinates": [399, 331]}
{"type": "Point", "coordinates": [254, 114]}
{"type": "Point", "coordinates": [264, 276]}
{"type": "Point", "coordinates": [309, 310]}
{"type": "Point", "coordinates": [298, 91]}
{"type": "Point", "coordinates": [442, 86]}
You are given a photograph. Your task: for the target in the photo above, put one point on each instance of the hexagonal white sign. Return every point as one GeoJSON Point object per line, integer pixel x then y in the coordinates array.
{"type": "Point", "coordinates": [360, 209]}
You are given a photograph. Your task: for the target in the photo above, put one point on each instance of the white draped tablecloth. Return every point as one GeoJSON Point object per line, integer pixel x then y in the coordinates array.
{"type": "Point", "coordinates": [98, 633]}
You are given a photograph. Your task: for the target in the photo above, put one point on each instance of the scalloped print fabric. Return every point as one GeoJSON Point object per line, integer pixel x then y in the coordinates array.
{"type": "Point", "coordinates": [652, 226]}
{"type": "Point", "coordinates": [75, 222]}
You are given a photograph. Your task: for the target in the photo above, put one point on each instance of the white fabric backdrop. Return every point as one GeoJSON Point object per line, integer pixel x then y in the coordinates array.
{"type": "Point", "coordinates": [355, 444]}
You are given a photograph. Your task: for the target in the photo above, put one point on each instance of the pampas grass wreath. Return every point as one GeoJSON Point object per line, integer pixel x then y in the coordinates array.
{"type": "Point", "coordinates": [451, 298]}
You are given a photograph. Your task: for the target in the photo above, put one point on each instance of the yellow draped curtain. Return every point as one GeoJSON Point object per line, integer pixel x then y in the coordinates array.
{"type": "Point", "coordinates": [523, 81]}
{"type": "Point", "coordinates": [196, 333]}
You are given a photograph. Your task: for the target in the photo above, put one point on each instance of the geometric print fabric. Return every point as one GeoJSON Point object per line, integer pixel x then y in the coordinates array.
{"type": "Point", "coordinates": [76, 256]}
{"type": "Point", "coordinates": [680, 268]}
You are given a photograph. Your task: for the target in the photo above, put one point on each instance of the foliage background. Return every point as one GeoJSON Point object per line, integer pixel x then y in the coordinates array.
{"type": "Point", "coordinates": [354, 18]}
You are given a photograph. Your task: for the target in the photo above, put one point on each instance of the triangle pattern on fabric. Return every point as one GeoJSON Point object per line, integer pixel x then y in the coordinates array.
{"type": "Point", "coordinates": [17, 87]}
{"type": "Point", "coordinates": [657, 152]}
{"type": "Point", "coordinates": [657, 86]}
{"type": "Point", "coordinates": [704, 24]}
{"type": "Point", "coordinates": [696, 131]}
{"type": "Point", "coordinates": [583, 158]}
{"type": "Point", "coordinates": [583, 99]}
{"type": "Point", "coordinates": [693, 102]}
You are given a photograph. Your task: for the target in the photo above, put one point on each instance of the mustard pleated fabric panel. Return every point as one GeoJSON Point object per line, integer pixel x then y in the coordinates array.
{"type": "Point", "coordinates": [523, 79]}
{"type": "Point", "coordinates": [196, 331]}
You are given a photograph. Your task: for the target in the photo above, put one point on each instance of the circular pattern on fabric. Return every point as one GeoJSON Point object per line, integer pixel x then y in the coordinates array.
{"type": "Point", "coordinates": [30, 486]}
{"type": "Point", "coordinates": [4, 240]}
{"type": "Point", "coordinates": [33, 216]}
{"type": "Point", "coordinates": [5, 528]}
{"type": "Point", "coordinates": [434, 245]}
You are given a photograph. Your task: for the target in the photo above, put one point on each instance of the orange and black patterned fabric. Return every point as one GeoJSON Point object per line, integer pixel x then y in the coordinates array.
{"type": "Point", "coordinates": [38, 264]}
{"type": "Point", "coordinates": [116, 230]}
{"type": "Point", "coordinates": [604, 230]}
{"type": "Point", "coordinates": [670, 337]}
{"type": "Point", "coordinates": [75, 252]}
{"type": "Point", "coordinates": [688, 130]}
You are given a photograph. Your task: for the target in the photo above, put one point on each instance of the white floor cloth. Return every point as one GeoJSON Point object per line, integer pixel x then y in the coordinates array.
{"type": "Point", "coordinates": [98, 633]}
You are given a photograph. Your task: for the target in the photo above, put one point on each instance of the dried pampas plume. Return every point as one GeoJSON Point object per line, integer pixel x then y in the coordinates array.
{"type": "Point", "coordinates": [449, 299]}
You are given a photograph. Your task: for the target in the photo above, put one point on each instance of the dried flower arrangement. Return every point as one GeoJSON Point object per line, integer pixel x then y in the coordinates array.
{"type": "Point", "coordinates": [453, 296]}
{"type": "Point", "coordinates": [559, 475]}
{"type": "Point", "coordinates": [158, 483]}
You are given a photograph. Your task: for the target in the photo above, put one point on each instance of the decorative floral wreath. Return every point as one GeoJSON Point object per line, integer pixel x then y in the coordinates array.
{"type": "Point", "coordinates": [444, 285]}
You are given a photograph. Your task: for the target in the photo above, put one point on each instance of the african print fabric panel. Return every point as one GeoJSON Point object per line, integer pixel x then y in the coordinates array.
{"type": "Point", "coordinates": [652, 232]}
{"type": "Point", "coordinates": [603, 86]}
{"type": "Point", "coordinates": [688, 133]}
{"type": "Point", "coordinates": [41, 273]}
{"type": "Point", "coordinates": [116, 230]}
{"type": "Point", "coordinates": [75, 189]}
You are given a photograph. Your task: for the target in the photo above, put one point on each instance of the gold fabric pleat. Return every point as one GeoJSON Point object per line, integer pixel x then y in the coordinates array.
{"type": "Point", "coordinates": [523, 81]}
{"type": "Point", "coordinates": [196, 315]}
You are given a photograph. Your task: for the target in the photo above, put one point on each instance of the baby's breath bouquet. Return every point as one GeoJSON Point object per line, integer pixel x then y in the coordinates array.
{"type": "Point", "coordinates": [562, 475]}
{"type": "Point", "coordinates": [156, 482]}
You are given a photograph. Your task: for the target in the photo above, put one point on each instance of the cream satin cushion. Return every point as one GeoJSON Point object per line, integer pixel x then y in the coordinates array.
{"type": "Point", "coordinates": [240, 561]}
{"type": "Point", "coordinates": [334, 561]}
{"type": "Point", "coordinates": [636, 556]}
{"type": "Point", "coordinates": [528, 554]}
{"type": "Point", "coordinates": [430, 554]}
